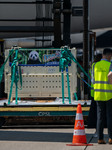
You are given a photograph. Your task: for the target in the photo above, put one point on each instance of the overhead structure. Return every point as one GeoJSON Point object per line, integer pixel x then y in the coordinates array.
{"type": "Point", "coordinates": [47, 22]}
{"type": "Point", "coordinates": [44, 21]}
{"type": "Point", "coordinates": [67, 22]}
{"type": "Point", "coordinates": [86, 41]}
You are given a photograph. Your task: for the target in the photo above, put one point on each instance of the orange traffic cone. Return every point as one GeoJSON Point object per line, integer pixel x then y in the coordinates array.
{"type": "Point", "coordinates": [79, 137]}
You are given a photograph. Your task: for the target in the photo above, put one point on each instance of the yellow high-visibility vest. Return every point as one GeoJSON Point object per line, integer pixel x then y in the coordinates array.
{"type": "Point", "coordinates": [102, 88]}
{"type": "Point", "coordinates": [92, 85]}
{"type": "Point", "coordinates": [92, 90]}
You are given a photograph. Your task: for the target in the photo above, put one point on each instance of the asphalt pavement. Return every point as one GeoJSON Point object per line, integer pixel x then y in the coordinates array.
{"type": "Point", "coordinates": [46, 138]}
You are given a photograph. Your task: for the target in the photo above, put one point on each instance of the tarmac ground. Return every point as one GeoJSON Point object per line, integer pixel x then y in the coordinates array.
{"type": "Point", "coordinates": [46, 138]}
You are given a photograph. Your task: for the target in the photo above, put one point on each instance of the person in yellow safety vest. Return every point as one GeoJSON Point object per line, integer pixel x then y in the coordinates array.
{"type": "Point", "coordinates": [92, 117]}
{"type": "Point", "coordinates": [98, 57]}
{"type": "Point", "coordinates": [103, 95]}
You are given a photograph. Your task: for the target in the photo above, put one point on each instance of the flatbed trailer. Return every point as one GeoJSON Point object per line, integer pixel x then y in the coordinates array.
{"type": "Point", "coordinates": [43, 113]}
{"type": "Point", "coordinates": [42, 79]}
{"type": "Point", "coordinates": [42, 110]}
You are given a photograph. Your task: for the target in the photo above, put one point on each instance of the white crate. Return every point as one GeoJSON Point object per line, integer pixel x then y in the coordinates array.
{"type": "Point", "coordinates": [42, 81]}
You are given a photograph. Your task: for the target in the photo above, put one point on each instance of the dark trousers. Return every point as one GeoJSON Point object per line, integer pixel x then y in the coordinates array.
{"type": "Point", "coordinates": [104, 108]}
{"type": "Point", "coordinates": [92, 117]}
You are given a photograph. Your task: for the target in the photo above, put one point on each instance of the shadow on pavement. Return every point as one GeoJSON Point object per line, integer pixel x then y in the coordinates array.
{"type": "Point", "coordinates": [38, 136]}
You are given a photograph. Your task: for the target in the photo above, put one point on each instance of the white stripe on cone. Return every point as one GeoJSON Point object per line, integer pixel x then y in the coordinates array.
{"type": "Point", "coordinates": [79, 132]}
{"type": "Point", "coordinates": [79, 116]}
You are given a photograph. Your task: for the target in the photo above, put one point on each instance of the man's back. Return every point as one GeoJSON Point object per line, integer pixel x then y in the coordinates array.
{"type": "Point", "coordinates": [102, 88]}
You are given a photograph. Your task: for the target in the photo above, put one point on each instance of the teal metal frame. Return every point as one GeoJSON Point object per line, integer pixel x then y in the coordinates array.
{"type": "Point", "coordinates": [65, 60]}
{"type": "Point", "coordinates": [40, 113]}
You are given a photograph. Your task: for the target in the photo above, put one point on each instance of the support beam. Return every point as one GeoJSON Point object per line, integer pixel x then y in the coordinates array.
{"type": "Point", "coordinates": [26, 29]}
{"type": "Point", "coordinates": [66, 24]}
{"type": "Point", "coordinates": [36, 2]}
{"type": "Point", "coordinates": [86, 43]}
{"type": "Point", "coordinates": [37, 19]}
{"type": "Point", "coordinates": [57, 23]}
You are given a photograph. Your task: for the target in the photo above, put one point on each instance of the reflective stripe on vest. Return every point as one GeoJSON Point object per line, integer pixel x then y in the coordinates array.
{"type": "Point", "coordinates": [100, 90]}
{"type": "Point", "coordinates": [102, 82]}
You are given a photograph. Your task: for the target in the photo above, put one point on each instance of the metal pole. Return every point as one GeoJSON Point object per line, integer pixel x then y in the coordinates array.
{"type": "Point", "coordinates": [11, 87]}
{"type": "Point", "coordinates": [86, 43]}
{"type": "Point", "coordinates": [68, 85]}
{"type": "Point", "coordinates": [62, 78]}
{"type": "Point", "coordinates": [57, 23]}
{"type": "Point", "coordinates": [67, 22]}
{"type": "Point", "coordinates": [16, 91]}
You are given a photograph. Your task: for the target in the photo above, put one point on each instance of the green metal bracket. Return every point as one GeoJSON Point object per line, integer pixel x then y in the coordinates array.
{"type": "Point", "coordinates": [65, 60]}
{"type": "Point", "coordinates": [15, 73]}
{"type": "Point", "coordinates": [15, 76]}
